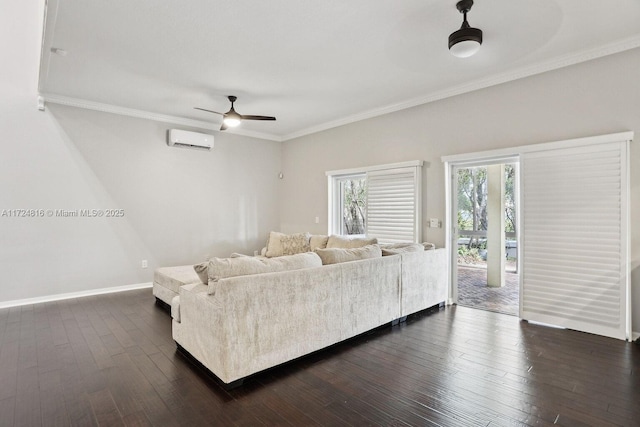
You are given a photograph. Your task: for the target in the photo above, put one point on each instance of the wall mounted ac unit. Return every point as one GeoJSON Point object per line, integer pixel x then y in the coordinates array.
{"type": "Point", "coordinates": [186, 139]}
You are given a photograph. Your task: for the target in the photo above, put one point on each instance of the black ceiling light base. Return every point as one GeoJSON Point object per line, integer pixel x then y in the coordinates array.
{"type": "Point", "coordinates": [467, 40]}
{"type": "Point", "coordinates": [464, 6]}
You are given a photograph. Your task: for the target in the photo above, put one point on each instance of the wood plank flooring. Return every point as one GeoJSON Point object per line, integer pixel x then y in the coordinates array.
{"type": "Point", "coordinates": [109, 360]}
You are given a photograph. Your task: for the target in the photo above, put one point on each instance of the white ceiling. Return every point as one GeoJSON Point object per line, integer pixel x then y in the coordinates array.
{"type": "Point", "coordinates": [312, 64]}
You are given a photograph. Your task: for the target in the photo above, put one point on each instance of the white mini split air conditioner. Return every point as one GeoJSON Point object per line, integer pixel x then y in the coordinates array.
{"type": "Point", "coordinates": [186, 139]}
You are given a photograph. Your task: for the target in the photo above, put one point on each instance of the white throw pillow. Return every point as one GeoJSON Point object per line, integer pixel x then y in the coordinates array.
{"type": "Point", "coordinates": [280, 244]}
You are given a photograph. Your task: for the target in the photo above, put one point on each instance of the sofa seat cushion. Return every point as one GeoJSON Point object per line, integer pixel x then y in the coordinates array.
{"type": "Point", "coordinates": [346, 242]}
{"type": "Point", "coordinates": [220, 268]}
{"type": "Point", "coordinates": [339, 255]}
{"type": "Point", "coordinates": [174, 277]}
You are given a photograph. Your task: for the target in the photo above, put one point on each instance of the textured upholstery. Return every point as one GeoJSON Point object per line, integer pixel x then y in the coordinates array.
{"type": "Point", "coordinates": [221, 268]}
{"type": "Point", "coordinates": [336, 241]}
{"type": "Point", "coordinates": [175, 308]}
{"type": "Point", "coordinates": [163, 294]}
{"type": "Point", "coordinates": [168, 280]}
{"type": "Point", "coordinates": [424, 280]}
{"type": "Point", "coordinates": [400, 248]}
{"type": "Point", "coordinates": [280, 244]}
{"type": "Point", "coordinates": [255, 322]}
{"type": "Point", "coordinates": [318, 241]}
{"type": "Point", "coordinates": [338, 255]}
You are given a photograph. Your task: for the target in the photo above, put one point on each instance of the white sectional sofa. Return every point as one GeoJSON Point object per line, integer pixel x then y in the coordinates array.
{"type": "Point", "coordinates": [240, 325]}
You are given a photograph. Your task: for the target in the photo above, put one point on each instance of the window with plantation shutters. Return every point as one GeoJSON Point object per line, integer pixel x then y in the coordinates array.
{"type": "Point", "coordinates": [392, 206]}
{"type": "Point", "coordinates": [393, 197]}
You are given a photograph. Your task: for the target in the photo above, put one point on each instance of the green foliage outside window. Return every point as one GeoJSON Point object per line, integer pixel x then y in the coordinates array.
{"type": "Point", "coordinates": [354, 192]}
{"type": "Point", "coordinates": [472, 199]}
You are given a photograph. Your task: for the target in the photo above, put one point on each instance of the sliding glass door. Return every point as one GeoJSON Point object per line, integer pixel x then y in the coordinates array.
{"type": "Point", "coordinates": [573, 235]}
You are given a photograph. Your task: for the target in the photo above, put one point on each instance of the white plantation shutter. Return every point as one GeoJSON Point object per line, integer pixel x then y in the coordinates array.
{"type": "Point", "coordinates": [575, 248]}
{"type": "Point", "coordinates": [393, 204]}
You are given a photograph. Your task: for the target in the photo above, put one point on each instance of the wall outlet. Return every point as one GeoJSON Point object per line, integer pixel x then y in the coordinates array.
{"type": "Point", "coordinates": [144, 264]}
{"type": "Point", "coordinates": [434, 223]}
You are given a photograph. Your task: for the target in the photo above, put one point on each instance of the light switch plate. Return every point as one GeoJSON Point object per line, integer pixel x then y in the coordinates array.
{"type": "Point", "coordinates": [434, 223]}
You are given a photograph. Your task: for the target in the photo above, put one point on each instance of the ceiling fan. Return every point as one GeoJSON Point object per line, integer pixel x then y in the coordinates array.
{"type": "Point", "coordinates": [231, 118]}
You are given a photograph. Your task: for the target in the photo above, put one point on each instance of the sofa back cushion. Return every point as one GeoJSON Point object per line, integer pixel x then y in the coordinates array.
{"type": "Point", "coordinates": [400, 248]}
{"type": "Point", "coordinates": [338, 255]}
{"type": "Point", "coordinates": [220, 268]}
{"type": "Point", "coordinates": [318, 241]}
{"type": "Point", "coordinates": [280, 244]}
{"type": "Point", "coordinates": [346, 242]}
{"type": "Point", "coordinates": [202, 270]}
{"type": "Point", "coordinates": [428, 246]}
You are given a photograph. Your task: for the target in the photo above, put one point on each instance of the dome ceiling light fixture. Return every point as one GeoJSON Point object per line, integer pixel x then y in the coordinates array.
{"type": "Point", "coordinates": [467, 40]}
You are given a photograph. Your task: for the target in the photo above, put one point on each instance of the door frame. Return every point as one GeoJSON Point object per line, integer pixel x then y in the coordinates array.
{"type": "Point", "coordinates": [451, 232]}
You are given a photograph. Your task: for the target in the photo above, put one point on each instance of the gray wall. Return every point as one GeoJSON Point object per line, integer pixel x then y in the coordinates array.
{"type": "Point", "coordinates": [180, 205]}
{"type": "Point", "coordinates": [593, 98]}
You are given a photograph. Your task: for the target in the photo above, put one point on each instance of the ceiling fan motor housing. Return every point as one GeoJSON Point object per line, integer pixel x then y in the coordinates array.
{"type": "Point", "coordinates": [465, 34]}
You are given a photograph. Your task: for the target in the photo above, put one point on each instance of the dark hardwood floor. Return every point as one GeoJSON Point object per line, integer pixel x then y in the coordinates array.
{"type": "Point", "coordinates": [110, 360]}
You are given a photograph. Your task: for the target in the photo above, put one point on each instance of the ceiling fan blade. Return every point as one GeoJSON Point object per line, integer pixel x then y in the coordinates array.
{"type": "Point", "coordinates": [208, 111]}
{"type": "Point", "coordinates": [249, 117]}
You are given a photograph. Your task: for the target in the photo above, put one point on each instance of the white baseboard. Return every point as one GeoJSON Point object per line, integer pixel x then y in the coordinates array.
{"type": "Point", "coordinates": [69, 295]}
{"type": "Point", "coordinates": [635, 336]}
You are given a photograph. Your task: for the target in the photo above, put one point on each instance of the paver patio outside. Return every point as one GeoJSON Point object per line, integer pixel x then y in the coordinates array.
{"type": "Point", "coordinates": [474, 292]}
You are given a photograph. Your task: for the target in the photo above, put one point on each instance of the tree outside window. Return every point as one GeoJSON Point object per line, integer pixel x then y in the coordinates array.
{"type": "Point", "coordinates": [354, 198]}
{"type": "Point", "coordinates": [472, 209]}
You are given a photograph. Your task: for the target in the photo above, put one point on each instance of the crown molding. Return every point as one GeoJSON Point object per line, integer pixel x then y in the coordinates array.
{"type": "Point", "coordinates": [496, 79]}
{"type": "Point", "coordinates": [140, 114]}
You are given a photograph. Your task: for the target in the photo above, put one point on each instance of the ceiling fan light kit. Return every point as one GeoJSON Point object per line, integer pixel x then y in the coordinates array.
{"type": "Point", "coordinates": [467, 40]}
{"type": "Point", "coordinates": [232, 118]}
